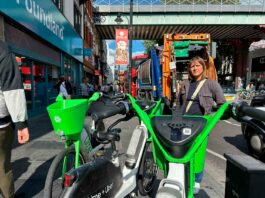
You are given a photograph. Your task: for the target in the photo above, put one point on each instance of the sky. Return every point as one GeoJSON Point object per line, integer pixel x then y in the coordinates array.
{"type": "Point", "coordinates": [138, 48]}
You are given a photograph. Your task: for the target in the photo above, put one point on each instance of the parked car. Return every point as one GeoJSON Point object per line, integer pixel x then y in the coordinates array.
{"type": "Point", "coordinates": [255, 134]}
{"type": "Point", "coordinates": [230, 94]}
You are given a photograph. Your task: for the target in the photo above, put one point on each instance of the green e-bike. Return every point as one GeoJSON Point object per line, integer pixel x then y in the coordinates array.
{"type": "Point", "coordinates": [177, 145]}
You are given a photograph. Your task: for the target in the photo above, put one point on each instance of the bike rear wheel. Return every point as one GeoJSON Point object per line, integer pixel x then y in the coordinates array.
{"type": "Point", "coordinates": [54, 184]}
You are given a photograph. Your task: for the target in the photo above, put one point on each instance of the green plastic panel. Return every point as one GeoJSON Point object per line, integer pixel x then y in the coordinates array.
{"type": "Point", "coordinates": [182, 52]}
{"type": "Point", "coordinates": [181, 44]}
{"type": "Point", "coordinates": [199, 42]}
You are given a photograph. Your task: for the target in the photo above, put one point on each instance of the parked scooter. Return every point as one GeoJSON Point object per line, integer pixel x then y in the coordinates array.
{"type": "Point", "coordinates": [178, 145]}
{"type": "Point", "coordinates": [254, 130]}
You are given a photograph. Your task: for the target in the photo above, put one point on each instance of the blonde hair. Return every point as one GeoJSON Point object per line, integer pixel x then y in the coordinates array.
{"type": "Point", "coordinates": [201, 61]}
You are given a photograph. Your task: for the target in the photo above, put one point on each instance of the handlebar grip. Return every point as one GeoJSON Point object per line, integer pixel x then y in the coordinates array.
{"type": "Point", "coordinates": [120, 108]}
{"type": "Point", "coordinates": [242, 109]}
{"type": "Point", "coordinates": [120, 95]}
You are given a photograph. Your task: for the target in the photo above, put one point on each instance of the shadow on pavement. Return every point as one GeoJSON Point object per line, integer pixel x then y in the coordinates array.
{"type": "Point", "coordinates": [35, 183]}
{"type": "Point", "coordinates": [239, 142]}
{"type": "Point", "coordinates": [202, 194]}
{"type": "Point", "coordinates": [20, 166]}
{"type": "Point", "coordinates": [38, 126]}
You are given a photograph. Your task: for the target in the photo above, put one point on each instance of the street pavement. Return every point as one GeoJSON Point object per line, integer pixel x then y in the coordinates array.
{"type": "Point", "coordinates": [32, 160]}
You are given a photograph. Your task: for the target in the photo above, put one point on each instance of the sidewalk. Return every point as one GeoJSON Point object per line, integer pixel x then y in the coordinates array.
{"type": "Point", "coordinates": [32, 160]}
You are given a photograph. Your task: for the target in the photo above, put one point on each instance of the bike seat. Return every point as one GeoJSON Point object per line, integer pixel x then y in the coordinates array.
{"type": "Point", "coordinates": [177, 135]}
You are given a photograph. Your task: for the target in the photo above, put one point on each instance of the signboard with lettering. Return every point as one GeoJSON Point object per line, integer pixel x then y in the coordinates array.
{"type": "Point", "coordinates": [44, 19]}
{"type": "Point", "coordinates": [258, 64]}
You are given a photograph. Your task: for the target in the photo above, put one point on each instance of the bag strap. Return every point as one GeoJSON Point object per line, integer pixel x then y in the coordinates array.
{"type": "Point", "coordinates": [195, 94]}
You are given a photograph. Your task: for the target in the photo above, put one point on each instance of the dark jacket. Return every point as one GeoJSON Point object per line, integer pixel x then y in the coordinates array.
{"type": "Point", "coordinates": [13, 104]}
{"type": "Point", "coordinates": [68, 87]}
{"type": "Point", "coordinates": [210, 93]}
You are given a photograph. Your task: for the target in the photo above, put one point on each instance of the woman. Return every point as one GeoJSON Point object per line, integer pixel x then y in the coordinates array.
{"type": "Point", "coordinates": [209, 94]}
{"type": "Point", "coordinates": [64, 88]}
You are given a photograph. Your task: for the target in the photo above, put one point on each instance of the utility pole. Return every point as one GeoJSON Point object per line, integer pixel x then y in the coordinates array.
{"type": "Point", "coordinates": [130, 49]}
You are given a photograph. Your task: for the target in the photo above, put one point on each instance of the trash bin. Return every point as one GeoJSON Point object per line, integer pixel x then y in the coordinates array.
{"type": "Point", "coordinates": [245, 177]}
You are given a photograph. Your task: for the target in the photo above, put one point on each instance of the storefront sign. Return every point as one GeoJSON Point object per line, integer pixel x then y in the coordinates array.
{"type": "Point", "coordinates": [258, 64]}
{"type": "Point", "coordinates": [121, 46]}
{"type": "Point", "coordinates": [44, 19]}
{"type": "Point", "coordinates": [262, 60]}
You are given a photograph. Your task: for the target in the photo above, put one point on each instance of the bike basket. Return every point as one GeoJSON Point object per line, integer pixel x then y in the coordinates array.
{"type": "Point", "coordinates": [67, 116]}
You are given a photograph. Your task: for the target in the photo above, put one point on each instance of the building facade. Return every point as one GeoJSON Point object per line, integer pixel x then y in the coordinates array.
{"type": "Point", "coordinates": [49, 39]}
{"type": "Point", "coordinates": [89, 60]}
{"type": "Point", "coordinates": [256, 67]}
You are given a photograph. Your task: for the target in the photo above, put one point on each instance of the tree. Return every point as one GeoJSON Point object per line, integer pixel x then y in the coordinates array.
{"type": "Point", "coordinates": [148, 44]}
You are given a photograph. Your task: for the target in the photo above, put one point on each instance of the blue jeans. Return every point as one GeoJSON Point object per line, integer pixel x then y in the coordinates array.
{"type": "Point", "coordinates": [198, 177]}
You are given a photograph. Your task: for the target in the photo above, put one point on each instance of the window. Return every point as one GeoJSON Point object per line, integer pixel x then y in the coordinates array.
{"type": "Point", "coordinates": [53, 89]}
{"type": "Point", "coordinates": [77, 19]}
{"type": "Point", "coordinates": [25, 69]}
{"type": "Point", "coordinates": [40, 89]}
{"type": "Point", "coordinates": [59, 4]}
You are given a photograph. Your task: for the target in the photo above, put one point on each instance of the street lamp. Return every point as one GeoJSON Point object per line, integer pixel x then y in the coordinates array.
{"type": "Point", "coordinates": [119, 20]}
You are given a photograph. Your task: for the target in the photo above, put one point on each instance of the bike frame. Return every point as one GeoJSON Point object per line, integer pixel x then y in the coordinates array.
{"type": "Point", "coordinates": [131, 174]}
{"type": "Point", "coordinates": [135, 149]}
{"type": "Point", "coordinates": [196, 153]}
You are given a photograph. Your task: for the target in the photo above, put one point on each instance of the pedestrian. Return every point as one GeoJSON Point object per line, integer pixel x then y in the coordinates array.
{"type": "Point", "coordinates": [84, 89]}
{"type": "Point", "coordinates": [91, 89]}
{"type": "Point", "coordinates": [96, 88]}
{"type": "Point", "coordinates": [197, 97]}
{"type": "Point", "coordinates": [13, 112]}
{"type": "Point", "coordinates": [111, 89]}
{"type": "Point", "coordinates": [262, 86]}
{"type": "Point", "coordinates": [69, 87]}
{"type": "Point", "coordinates": [250, 87]}
{"type": "Point", "coordinates": [57, 85]}
{"type": "Point", "coordinates": [65, 88]}
{"type": "Point", "coordinates": [117, 88]}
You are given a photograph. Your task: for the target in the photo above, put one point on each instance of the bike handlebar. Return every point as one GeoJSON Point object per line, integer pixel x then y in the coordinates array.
{"type": "Point", "coordinates": [110, 110]}
{"type": "Point", "coordinates": [107, 106]}
{"type": "Point", "coordinates": [242, 109]}
{"type": "Point", "coordinates": [120, 95]}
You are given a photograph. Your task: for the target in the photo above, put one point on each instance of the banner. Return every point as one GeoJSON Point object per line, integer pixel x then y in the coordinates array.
{"type": "Point", "coordinates": [121, 46]}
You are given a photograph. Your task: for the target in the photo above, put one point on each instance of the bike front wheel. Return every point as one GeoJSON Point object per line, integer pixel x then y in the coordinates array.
{"type": "Point", "coordinates": [54, 184]}
{"type": "Point", "coordinates": [147, 171]}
